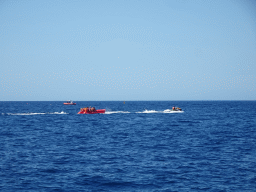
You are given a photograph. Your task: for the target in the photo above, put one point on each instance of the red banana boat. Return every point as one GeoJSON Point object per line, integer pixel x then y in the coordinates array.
{"type": "Point", "coordinates": [84, 111]}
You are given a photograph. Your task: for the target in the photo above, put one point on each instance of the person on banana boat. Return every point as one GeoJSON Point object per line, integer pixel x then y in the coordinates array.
{"type": "Point", "coordinates": [90, 109]}
{"type": "Point", "coordinates": [84, 109]}
{"type": "Point", "coordinates": [93, 109]}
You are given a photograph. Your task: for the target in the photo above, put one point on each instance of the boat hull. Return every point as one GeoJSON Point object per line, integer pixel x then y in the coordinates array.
{"type": "Point", "coordinates": [69, 103]}
{"type": "Point", "coordinates": [92, 112]}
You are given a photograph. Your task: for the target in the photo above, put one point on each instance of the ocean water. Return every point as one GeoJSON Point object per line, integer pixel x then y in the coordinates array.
{"type": "Point", "coordinates": [135, 146]}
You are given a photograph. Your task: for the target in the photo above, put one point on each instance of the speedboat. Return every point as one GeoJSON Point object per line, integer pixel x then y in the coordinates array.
{"type": "Point", "coordinates": [86, 111]}
{"type": "Point", "coordinates": [173, 111]}
{"type": "Point", "coordinates": [69, 102]}
{"type": "Point", "coordinates": [176, 109]}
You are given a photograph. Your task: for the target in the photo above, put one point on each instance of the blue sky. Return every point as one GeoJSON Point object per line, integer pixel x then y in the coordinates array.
{"type": "Point", "coordinates": [127, 50]}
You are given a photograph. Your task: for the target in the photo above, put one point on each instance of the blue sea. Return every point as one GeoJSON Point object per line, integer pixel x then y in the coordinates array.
{"type": "Point", "coordinates": [135, 146]}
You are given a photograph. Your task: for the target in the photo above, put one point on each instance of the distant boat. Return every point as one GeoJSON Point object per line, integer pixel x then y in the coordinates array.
{"type": "Point", "coordinates": [69, 102]}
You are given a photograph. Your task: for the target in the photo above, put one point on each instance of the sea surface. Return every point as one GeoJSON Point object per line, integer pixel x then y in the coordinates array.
{"type": "Point", "coordinates": [135, 146]}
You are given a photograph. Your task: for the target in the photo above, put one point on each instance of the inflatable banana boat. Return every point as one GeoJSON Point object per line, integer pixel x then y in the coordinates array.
{"type": "Point", "coordinates": [91, 111]}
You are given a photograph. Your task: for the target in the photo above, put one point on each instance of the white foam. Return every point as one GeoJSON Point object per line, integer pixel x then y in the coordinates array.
{"type": "Point", "coordinates": [59, 113]}
{"type": "Point", "coordinates": [148, 111]}
{"type": "Point", "coordinates": [62, 112]}
{"type": "Point", "coordinates": [25, 113]}
{"type": "Point", "coordinates": [112, 112]}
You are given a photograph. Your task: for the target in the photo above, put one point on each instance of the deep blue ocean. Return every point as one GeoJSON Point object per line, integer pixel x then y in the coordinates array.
{"type": "Point", "coordinates": [135, 146]}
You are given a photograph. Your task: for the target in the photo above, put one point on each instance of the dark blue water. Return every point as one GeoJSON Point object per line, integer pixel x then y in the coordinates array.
{"type": "Point", "coordinates": [46, 146]}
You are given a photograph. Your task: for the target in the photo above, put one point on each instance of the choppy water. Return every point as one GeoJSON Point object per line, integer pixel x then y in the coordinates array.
{"type": "Point", "coordinates": [136, 146]}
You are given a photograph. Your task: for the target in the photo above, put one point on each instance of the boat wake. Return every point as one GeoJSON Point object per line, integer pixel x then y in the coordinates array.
{"type": "Point", "coordinates": [107, 112]}
{"type": "Point", "coordinates": [149, 111]}
{"type": "Point", "coordinates": [145, 111]}
{"type": "Point", "coordinates": [113, 112]}
{"type": "Point", "coordinates": [165, 111]}
{"type": "Point", "coordinates": [49, 113]}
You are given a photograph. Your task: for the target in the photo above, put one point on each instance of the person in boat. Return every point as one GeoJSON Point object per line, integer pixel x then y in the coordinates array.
{"type": "Point", "coordinates": [93, 109]}
{"type": "Point", "coordinates": [83, 109]}
{"type": "Point", "coordinates": [173, 108]}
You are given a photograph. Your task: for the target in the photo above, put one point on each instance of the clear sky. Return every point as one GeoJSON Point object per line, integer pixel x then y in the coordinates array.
{"type": "Point", "coordinates": [54, 50]}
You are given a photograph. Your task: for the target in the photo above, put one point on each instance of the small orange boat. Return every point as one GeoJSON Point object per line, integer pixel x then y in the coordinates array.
{"type": "Point", "coordinates": [69, 103]}
{"type": "Point", "coordinates": [92, 111]}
